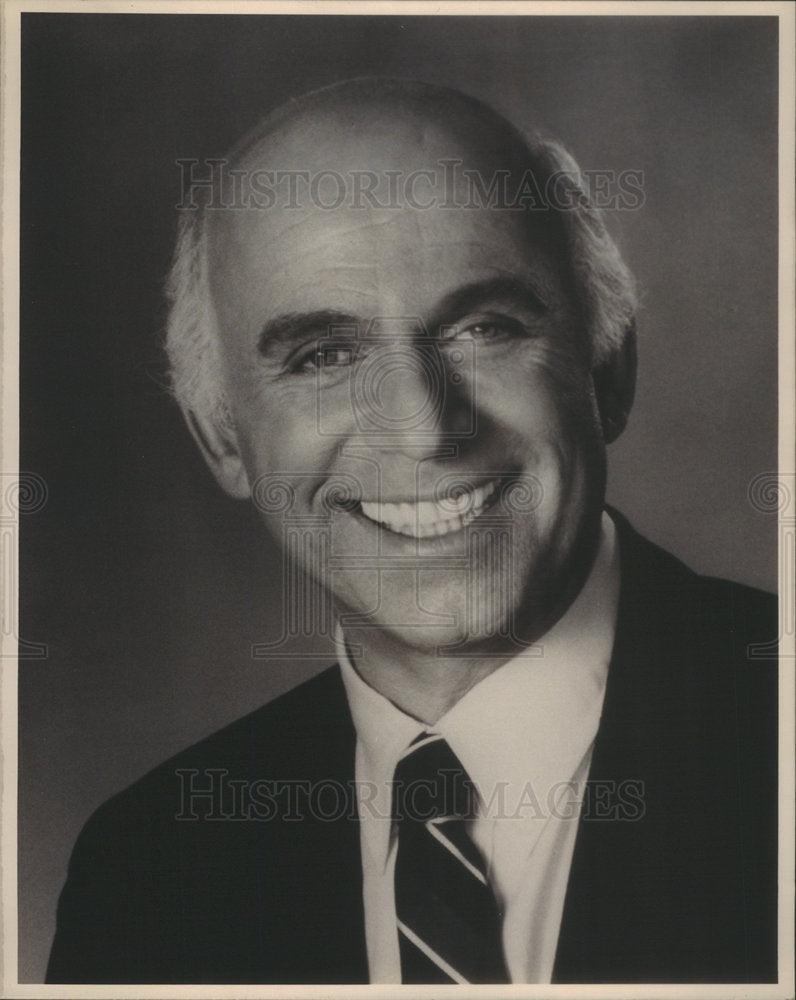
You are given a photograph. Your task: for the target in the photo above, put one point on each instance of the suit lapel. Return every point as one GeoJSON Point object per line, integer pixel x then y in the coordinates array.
{"type": "Point", "coordinates": [618, 897]}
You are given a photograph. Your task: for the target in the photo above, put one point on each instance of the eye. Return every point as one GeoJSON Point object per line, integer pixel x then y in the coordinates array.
{"type": "Point", "coordinates": [324, 356]}
{"type": "Point", "coordinates": [479, 331]}
{"type": "Point", "coordinates": [485, 329]}
{"type": "Point", "coordinates": [334, 356]}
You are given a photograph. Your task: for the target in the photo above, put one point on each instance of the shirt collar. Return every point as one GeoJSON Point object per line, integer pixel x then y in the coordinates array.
{"type": "Point", "coordinates": [531, 720]}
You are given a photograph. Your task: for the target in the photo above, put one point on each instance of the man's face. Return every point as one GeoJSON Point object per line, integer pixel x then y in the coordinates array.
{"type": "Point", "coordinates": [426, 362]}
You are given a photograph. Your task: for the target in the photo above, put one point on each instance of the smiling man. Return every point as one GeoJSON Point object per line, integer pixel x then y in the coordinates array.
{"type": "Point", "coordinates": [545, 753]}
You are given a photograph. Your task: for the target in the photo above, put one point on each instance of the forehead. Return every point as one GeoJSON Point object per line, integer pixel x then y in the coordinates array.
{"type": "Point", "coordinates": [300, 250]}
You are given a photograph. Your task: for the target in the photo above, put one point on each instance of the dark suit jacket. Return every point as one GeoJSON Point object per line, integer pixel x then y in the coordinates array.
{"type": "Point", "coordinates": [265, 885]}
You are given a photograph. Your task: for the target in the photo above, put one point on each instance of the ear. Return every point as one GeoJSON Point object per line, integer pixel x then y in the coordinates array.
{"type": "Point", "coordinates": [219, 447]}
{"type": "Point", "coordinates": [615, 386]}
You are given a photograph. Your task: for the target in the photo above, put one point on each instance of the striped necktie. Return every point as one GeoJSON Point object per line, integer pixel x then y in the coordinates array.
{"type": "Point", "coordinates": [449, 926]}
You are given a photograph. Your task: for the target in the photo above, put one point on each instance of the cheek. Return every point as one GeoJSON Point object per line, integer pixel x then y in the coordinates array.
{"type": "Point", "coordinates": [545, 407]}
{"type": "Point", "coordinates": [542, 394]}
{"type": "Point", "coordinates": [285, 456]}
{"type": "Point", "coordinates": [564, 394]}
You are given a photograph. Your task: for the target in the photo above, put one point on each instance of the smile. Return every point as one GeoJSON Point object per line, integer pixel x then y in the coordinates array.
{"type": "Point", "coordinates": [428, 518]}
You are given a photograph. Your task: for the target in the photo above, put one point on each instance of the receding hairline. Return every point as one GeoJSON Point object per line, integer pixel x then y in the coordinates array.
{"type": "Point", "coordinates": [444, 107]}
{"type": "Point", "coordinates": [467, 131]}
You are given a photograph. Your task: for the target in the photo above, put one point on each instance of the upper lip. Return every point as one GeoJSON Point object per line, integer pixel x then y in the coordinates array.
{"type": "Point", "coordinates": [453, 511]}
{"type": "Point", "coordinates": [462, 485]}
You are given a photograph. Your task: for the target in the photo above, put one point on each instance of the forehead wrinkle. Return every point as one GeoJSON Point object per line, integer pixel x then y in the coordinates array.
{"type": "Point", "coordinates": [324, 235]}
{"type": "Point", "coordinates": [366, 293]}
{"type": "Point", "coordinates": [310, 281]}
{"type": "Point", "coordinates": [300, 221]}
{"type": "Point", "coordinates": [341, 296]}
{"type": "Point", "coordinates": [284, 267]}
{"type": "Point", "coordinates": [288, 256]}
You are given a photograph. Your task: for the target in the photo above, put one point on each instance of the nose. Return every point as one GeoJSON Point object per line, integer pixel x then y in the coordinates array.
{"type": "Point", "coordinates": [411, 393]}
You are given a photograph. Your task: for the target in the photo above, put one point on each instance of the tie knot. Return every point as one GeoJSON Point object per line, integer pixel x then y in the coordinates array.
{"type": "Point", "coordinates": [430, 782]}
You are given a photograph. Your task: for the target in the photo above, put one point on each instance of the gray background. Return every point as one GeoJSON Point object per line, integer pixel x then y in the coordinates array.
{"type": "Point", "coordinates": [147, 585]}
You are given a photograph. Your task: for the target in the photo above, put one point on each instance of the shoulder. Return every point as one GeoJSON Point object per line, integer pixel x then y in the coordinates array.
{"type": "Point", "coordinates": [696, 657]}
{"type": "Point", "coordinates": [694, 648]}
{"type": "Point", "coordinates": [663, 591]}
{"type": "Point", "coordinates": [171, 879]}
{"type": "Point", "coordinates": [301, 736]}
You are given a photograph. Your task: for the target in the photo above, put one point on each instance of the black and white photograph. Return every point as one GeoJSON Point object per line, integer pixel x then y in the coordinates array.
{"type": "Point", "coordinates": [399, 536]}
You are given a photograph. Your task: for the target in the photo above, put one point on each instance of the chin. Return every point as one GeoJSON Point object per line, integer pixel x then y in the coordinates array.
{"type": "Point", "coordinates": [432, 612]}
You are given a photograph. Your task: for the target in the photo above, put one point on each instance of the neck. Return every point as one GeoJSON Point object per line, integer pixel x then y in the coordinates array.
{"type": "Point", "coordinates": [425, 682]}
{"type": "Point", "coordinates": [420, 682]}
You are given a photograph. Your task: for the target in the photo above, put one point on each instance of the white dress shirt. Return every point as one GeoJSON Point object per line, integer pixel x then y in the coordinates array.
{"type": "Point", "coordinates": [524, 735]}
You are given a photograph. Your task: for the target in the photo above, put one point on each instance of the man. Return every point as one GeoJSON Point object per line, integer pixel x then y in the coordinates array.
{"type": "Point", "coordinates": [546, 752]}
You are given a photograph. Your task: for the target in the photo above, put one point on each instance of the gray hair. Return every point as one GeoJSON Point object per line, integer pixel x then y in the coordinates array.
{"type": "Point", "coordinates": [604, 288]}
{"type": "Point", "coordinates": [193, 345]}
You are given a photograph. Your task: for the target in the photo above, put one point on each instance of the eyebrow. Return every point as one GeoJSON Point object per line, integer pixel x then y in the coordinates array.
{"type": "Point", "coordinates": [289, 329]}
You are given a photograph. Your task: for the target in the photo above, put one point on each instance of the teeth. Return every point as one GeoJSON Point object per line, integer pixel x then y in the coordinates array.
{"type": "Point", "coordinates": [426, 518]}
